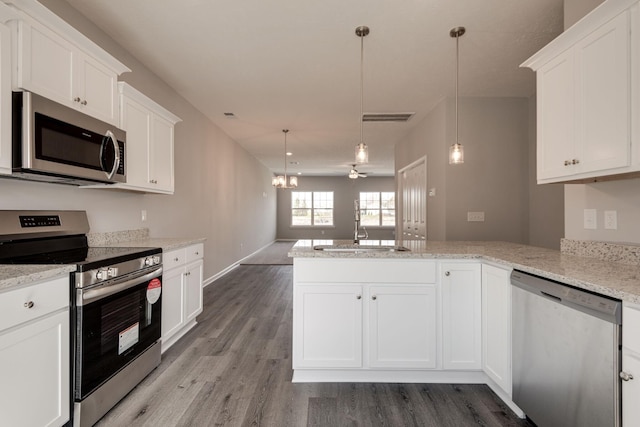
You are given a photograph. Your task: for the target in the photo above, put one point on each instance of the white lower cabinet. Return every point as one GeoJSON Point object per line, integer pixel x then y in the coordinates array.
{"type": "Point", "coordinates": [496, 325]}
{"type": "Point", "coordinates": [327, 326]}
{"type": "Point", "coordinates": [631, 364]}
{"type": "Point", "coordinates": [374, 323]}
{"type": "Point", "coordinates": [181, 292]}
{"type": "Point", "coordinates": [35, 355]}
{"type": "Point", "coordinates": [402, 326]}
{"type": "Point", "coordinates": [461, 315]}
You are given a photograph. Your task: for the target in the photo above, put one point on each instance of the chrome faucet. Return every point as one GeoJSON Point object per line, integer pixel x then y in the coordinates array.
{"type": "Point", "coordinates": [356, 232]}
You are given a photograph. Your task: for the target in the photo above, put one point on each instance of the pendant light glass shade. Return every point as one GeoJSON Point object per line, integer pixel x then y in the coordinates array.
{"type": "Point", "coordinates": [362, 151]}
{"type": "Point", "coordinates": [456, 151]}
{"type": "Point", "coordinates": [281, 181]}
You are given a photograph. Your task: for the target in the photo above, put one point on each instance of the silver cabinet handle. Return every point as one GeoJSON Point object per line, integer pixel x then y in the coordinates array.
{"type": "Point", "coordinates": [447, 273]}
{"type": "Point", "coordinates": [567, 162]}
{"type": "Point", "coordinates": [359, 297]}
{"type": "Point", "coordinates": [76, 99]}
{"type": "Point", "coordinates": [374, 297]}
{"type": "Point", "coordinates": [626, 377]}
{"type": "Point", "coordinates": [176, 259]}
{"type": "Point", "coordinates": [575, 161]}
{"type": "Point", "coordinates": [84, 102]}
{"type": "Point", "coordinates": [197, 253]}
{"type": "Point", "coordinates": [29, 304]}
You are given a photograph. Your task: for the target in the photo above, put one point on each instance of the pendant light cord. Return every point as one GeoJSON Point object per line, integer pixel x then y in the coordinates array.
{"type": "Point", "coordinates": [361, 85]}
{"type": "Point", "coordinates": [457, 76]}
{"type": "Point", "coordinates": [285, 155]}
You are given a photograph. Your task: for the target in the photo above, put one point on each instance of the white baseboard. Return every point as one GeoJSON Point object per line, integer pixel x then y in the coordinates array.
{"type": "Point", "coordinates": [221, 273]}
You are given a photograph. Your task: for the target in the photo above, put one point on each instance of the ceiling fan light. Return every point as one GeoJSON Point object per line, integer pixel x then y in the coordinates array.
{"type": "Point", "coordinates": [362, 153]}
{"type": "Point", "coordinates": [456, 154]}
{"type": "Point", "coordinates": [353, 174]}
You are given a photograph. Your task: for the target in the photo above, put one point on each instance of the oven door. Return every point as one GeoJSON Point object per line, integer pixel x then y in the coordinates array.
{"type": "Point", "coordinates": [115, 323]}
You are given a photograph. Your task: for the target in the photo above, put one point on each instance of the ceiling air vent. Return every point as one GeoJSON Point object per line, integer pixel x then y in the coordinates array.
{"type": "Point", "coordinates": [386, 117]}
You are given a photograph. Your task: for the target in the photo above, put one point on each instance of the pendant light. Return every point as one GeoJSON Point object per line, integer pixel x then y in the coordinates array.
{"type": "Point", "coordinates": [362, 151]}
{"type": "Point", "coordinates": [280, 181]}
{"type": "Point", "coordinates": [456, 151]}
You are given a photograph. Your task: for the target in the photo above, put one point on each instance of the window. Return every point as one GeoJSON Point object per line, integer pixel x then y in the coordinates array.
{"type": "Point", "coordinates": [378, 208]}
{"type": "Point", "coordinates": [312, 208]}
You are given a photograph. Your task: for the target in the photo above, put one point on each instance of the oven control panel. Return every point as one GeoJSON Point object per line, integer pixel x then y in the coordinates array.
{"type": "Point", "coordinates": [28, 221]}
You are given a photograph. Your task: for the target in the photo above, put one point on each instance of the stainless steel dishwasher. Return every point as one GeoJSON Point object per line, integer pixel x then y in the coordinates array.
{"type": "Point", "coordinates": [566, 354]}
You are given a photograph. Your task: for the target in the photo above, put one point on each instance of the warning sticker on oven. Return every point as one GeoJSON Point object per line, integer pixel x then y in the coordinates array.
{"type": "Point", "coordinates": [128, 338]}
{"type": "Point", "coordinates": [154, 289]}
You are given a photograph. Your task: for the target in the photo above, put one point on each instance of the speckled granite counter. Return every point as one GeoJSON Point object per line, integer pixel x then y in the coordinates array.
{"type": "Point", "coordinates": [613, 279]}
{"type": "Point", "coordinates": [14, 276]}
{"type": "Point", "coordinates": [166, 243]}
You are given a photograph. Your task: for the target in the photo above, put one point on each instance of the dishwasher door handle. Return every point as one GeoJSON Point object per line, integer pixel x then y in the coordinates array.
{"type": "Point", "coordinates": [553, 297]}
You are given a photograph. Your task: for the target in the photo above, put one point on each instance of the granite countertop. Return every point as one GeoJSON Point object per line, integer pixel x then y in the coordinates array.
{"type": "Point", "coordinates": [614, 279]}
{"type": "Point", "coordinates": [14, 276]}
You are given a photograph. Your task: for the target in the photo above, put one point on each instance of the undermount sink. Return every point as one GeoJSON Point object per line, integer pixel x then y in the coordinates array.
{"type": "Point", "coordinates": [355, 248]}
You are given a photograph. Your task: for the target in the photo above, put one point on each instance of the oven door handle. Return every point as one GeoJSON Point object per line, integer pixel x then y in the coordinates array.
{"type": "Point", "coordinates": [91, 295]}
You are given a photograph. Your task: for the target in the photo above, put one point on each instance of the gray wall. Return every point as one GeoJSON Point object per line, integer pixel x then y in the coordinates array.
{"type": "Point", "coordinates": [574, 10]}
{"type": "Point", "coordinates": [546, 202]}
{"type": "Point", "coordinates": [621, 196]}
{"type": "Point", "coordinates": [219, 187]}
{"type": "Point", "coordinates": [495, 178]}
{"type": "Point", "coordinates": [345, 192]}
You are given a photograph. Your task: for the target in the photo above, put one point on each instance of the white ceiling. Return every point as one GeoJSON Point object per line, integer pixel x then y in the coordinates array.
{"type": "Point", "coordinates": [296, 64]}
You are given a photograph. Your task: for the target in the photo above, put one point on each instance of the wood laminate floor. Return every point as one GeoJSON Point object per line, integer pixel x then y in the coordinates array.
{"type": "Point", "coordinates": [234, 369]}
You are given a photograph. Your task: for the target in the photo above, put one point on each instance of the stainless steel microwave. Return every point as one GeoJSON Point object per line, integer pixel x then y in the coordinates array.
{"type": "Point", "coordinates": [54, 143]}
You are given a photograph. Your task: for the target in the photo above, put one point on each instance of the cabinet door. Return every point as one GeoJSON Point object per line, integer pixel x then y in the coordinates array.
{"type": "Point", "coordinates": [604, 97]}
{"type": "Point", "coordinates": [34, 367]}
{"type": "Point", "coordinates": [631, 389]}
{"type": "Point", "coordinates": [556, 117]}
{"type": "Point", "coordinates": [461, 316]}
{"type": "Point", "coordinates": [327, 325]}
{"type": "Point", "coordinates": [45, 63]}
{"type": "Point", "coordinates": [496, 325]}
{"type": "Point", "coordinates": [136, 121]}
{"type": "Point", "coordinates": [172, 302]}
{"type": "Point", "coordinates": [402, 326]}
{"type": "Point", "coordinates": [96, 86]}
{"type": "Point", "coordinates": [193, 290]}
{"type": "Point", "coordinates": [161, 156]}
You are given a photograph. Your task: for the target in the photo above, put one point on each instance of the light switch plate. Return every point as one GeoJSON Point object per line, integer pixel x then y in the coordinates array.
{"type": "Point", "coordinates": [475, 216]}
{"type": "Point", "coordinates": [611, 220]}
{"type": "Point", "coordinates": [590, 219]}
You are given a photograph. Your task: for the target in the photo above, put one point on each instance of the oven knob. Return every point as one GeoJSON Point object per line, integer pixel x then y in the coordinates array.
{"type": "Point", "coordinates": [112, 272]}
{"type": "Point", "coordinates": [148, 261]}
{"type": "Point", "coordinates": [156, 259]}
{"type": "Point", "coordinates": [101, 274]}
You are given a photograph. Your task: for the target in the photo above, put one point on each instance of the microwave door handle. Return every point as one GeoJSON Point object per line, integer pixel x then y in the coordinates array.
{"type": "Point", "coordinates": [116, 149]}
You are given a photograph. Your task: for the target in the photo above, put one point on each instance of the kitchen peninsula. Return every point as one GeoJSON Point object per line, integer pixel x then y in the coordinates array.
{"type": "Point", "coordinates": [440, 312]}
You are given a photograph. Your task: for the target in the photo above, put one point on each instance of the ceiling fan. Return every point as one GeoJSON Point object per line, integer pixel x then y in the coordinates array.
{"type": "Point", "coordinates": [354, 174]}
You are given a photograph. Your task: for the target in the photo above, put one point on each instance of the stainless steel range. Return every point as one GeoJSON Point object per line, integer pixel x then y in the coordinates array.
{"type": "Point", "coordinates": [116, 300]}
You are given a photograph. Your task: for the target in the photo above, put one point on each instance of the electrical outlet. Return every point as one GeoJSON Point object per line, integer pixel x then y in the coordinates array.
{"type": "Point", "coordinates": [611, 220]}
{"type": "Point", "coordinates": [475, 216]}
{"type": "Point", "coordinates": [590, 219]}
{"type": "Point", "coordinates": [143, 215]}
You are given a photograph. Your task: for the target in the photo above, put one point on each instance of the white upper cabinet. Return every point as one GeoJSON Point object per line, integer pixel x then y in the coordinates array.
{"type": "Point", "coordinates": [585, 99]}
{"type": "Point", "coordinates": [150, 141]}
{"type": "Point", "coordinates": [59, 63]}
{"type": "Point", "coordinates": [6, 14]}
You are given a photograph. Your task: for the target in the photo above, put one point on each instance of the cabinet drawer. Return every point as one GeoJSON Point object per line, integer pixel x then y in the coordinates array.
{"type": "Point", "coordinates": [379, 270]}
{"type": "Point", "coordinates": [194, 252]}
{"type": "Point", "coordinates": [631, 327]}
{"type": "Point", "coordinates": [174, 258]}
{"type": "Point", "coordinates": [46, 297]}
